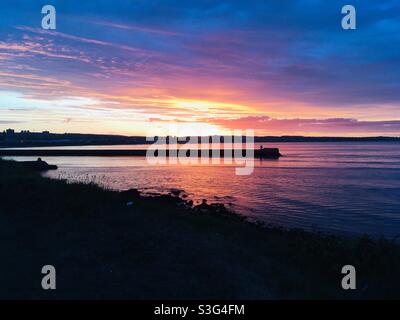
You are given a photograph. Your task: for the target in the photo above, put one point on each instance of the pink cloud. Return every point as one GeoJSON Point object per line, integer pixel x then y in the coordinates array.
{"type": "Point", "coordinates": [331, 126]}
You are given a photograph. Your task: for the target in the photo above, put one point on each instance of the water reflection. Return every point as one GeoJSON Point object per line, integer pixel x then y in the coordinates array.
{"type": "Point", "coordinates": [339, 187]}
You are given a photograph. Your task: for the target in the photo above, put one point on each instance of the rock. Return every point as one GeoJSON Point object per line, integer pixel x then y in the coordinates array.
{"type": "Point", "coordinates": [38, 165]}
{"type": "Point", "coordinates": [129, 195]}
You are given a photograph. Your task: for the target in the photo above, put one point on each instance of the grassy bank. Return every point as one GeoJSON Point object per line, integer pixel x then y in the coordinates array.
{"type": "Point", "coordinates": [159, 247]}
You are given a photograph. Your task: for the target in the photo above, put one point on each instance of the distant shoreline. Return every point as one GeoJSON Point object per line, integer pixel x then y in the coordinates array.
{"type": "Point", "coordinates": [35, 144]}
{"type": "Point", "coordinates": [46, 139]}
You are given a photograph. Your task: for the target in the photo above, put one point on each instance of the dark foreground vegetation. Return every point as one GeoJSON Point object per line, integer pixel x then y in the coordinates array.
{"type": "Point", "coordinates": [108, 244]}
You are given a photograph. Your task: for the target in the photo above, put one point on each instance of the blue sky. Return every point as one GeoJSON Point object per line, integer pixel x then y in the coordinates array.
{"type": "Point", "coordinates": [280, 67]}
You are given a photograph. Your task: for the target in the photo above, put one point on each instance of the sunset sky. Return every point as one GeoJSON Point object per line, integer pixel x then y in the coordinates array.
{"type": "Point", "coordinates": [132, 67]}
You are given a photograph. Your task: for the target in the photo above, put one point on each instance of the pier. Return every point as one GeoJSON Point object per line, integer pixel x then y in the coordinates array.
{"type": "Point", "coordinates": [265, 153]}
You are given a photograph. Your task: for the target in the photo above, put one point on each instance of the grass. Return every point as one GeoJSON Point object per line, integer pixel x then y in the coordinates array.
{"type": "Point", "coordinates": [160, 248]}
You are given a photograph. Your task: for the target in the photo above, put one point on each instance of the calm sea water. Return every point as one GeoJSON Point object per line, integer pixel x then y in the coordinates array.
{"type": "Point", "coordinates": [348, 188]}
